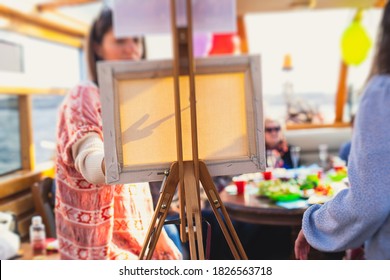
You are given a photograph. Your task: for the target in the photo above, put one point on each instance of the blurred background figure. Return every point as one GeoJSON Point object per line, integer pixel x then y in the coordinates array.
{"type": "Point", "coordinates": [278, 151]}
{"type": "Point", "coordinates": [346, 147]}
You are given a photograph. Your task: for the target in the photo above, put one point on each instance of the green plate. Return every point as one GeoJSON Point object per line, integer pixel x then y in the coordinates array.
{"type": "Point", "coordinates": [285, 196]}
{"type": "Point", "coordinates": [337, 177]}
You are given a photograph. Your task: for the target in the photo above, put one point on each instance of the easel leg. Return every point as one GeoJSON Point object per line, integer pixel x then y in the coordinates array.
{"type": "Point", "coordinates": [193, 220]}
{"type": "Point", "coordinates": [193, 213]}
{"type": "Point", "coordinates": [161, 212]}
{"type": "Point", "coordinates": [223, 220]}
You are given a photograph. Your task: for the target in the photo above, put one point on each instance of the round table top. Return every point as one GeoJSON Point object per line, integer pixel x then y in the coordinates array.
{"type": "Point", "coordinates": [260, 210]}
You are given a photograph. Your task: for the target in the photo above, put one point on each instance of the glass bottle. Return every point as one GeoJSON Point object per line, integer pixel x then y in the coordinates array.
{"type": "Point", "coordinates": [38, 238]}
{"type": "Point", "coordinates": [295, 151]}
{"type": "Point", "coordinates": [323, 155]}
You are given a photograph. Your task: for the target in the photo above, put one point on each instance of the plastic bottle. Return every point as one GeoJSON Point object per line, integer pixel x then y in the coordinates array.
{"type": "Point", "coordinates": [38, 238]}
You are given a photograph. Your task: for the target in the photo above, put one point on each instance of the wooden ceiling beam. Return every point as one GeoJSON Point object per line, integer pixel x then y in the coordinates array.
{"type": "Point", "coordinates": [32, 91]}
{"type": "Point", "coordinates": [63, 3]}
{"type": "Point", "coordinates": [14, 15]}
{"type": "Point", "coordinates": [263, 6]}
{"type": "Point", "coordinates": [380, 3]}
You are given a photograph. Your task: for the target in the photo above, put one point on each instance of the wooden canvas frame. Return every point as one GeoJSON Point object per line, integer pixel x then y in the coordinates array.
{"type": "Point", "coordinates": [121, 83]}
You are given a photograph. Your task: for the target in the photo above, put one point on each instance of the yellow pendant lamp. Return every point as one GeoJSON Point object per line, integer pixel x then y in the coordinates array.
{"type": "Point", "coordinates": [355, 42]}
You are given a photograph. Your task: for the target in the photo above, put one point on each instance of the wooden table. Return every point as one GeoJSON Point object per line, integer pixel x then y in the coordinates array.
{"type": "Point", "coordinates": [247, 209]}
{"type": "Point", "coordinates": [25, 253]}
{"type": "Point", "coordinates": [252, 209]}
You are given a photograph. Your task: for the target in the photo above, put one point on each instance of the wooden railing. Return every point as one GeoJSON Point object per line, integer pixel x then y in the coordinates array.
{"type": "Point", "coordinates": [312, 126]}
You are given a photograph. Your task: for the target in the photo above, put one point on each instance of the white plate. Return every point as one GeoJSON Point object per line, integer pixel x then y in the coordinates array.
{"type": "Point", "coordinates": [231, 189]}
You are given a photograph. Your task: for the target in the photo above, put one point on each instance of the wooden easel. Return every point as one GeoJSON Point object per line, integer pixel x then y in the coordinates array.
{"type": "Point", "coordinates": [187, 174]}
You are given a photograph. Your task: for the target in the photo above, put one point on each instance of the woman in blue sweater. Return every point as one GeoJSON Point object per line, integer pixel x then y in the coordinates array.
{"type": "Point", "coordinates": [360, 214]}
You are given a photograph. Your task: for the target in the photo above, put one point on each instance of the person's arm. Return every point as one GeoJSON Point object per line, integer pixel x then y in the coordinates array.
{"type": "Point", "coordinates": [79, 118]}
{"type": "Point", "coordinates": [88, 157]}
{"type": "Point", "coordinates": [355, 214]}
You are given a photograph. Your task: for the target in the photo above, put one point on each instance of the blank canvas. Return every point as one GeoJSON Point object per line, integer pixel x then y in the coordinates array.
{"type": "Point", "coordinates": [139, 117]}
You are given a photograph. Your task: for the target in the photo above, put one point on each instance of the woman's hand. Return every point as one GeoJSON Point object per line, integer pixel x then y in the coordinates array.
{"type": "Point", "coordinates": [302, 247]}
{"type": "Point", "coordinates": [166, 249]}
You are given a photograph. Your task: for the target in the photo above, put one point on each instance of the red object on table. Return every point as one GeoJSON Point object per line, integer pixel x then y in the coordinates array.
{"type": "Point", "coordinates": [267, 175]}
{"type": "Point", "coordinates": [240, 186]}
{"type": "Point", "coordinates": [338, 168]}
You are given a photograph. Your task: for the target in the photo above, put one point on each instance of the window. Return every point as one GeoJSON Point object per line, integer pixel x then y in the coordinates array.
{"type": "Point", "coordinates": [10, 147]}
{"type": "Point", "coordinates": [46, 66]}
{"type": "Point", "coordinates": [45, 110]}
{"type": "Point", "coordinates": [11, 57]}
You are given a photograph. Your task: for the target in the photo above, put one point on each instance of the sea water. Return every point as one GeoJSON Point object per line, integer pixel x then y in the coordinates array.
{"type": "Point", "coordinates": [44, 121]}
{"type": "Point", "coordinates": [9, 135]}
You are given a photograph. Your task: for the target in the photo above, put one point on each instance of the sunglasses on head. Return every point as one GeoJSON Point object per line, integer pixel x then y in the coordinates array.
{"type": "Point", "coordinates": [270, 129]}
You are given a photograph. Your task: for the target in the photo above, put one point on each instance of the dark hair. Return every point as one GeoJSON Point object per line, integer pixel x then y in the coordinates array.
{"type": "Point", "coordinates": [381, 63]}
{"type": "Point", "coordinates": [99, 28]}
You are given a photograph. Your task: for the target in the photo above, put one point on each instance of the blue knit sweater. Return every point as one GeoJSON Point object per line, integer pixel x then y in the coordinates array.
{"type": "Point", "coordinates": [361, 213]}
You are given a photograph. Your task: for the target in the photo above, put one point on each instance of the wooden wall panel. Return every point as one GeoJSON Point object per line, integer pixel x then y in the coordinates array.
{"type": "Point", "coordinates": [24, 223]}
{"type": "Point", "coordinates": [17, 184]}
{"type": "Point", "coordinates": [20, 204]}
{"type": "Point", "coordinates": [16, 196]}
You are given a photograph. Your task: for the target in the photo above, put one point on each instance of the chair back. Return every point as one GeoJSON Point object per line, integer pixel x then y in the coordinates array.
{"type": "Point", "coordinates": [44, 197]}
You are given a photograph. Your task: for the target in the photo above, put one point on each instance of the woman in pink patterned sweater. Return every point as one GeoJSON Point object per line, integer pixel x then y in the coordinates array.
{"type": "Point", "coordinates": [95, 220]}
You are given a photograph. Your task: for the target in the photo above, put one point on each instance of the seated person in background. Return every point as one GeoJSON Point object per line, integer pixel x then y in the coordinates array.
{"type": "Point", "coordinates": [221, 182]}
{"type": "Point", "coordinates": [277, 144]}
{"type": "Point", "coordinates": [346, 147]}
{"type": "Point", "coordinates": [260, 242]}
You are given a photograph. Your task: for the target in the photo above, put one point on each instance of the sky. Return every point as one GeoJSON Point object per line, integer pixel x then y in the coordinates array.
{"type": "Point", "coordinates": [313, 41]}
{"type": "Point", "coordinates": [312, 38]}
